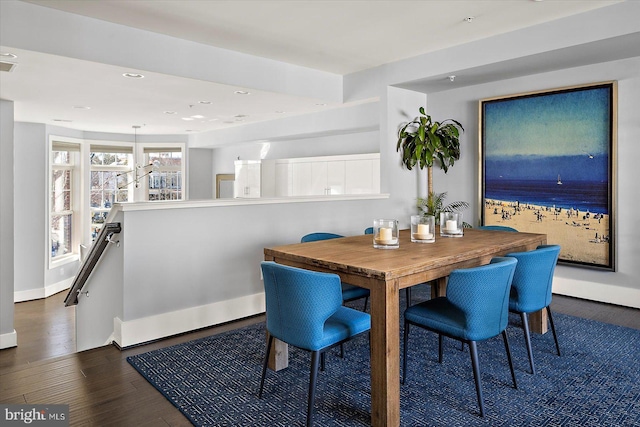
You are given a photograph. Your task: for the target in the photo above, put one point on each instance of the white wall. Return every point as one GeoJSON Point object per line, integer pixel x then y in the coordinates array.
{"type": "Point", "coordinates": [623, 286]}
{"type": "Point", "coordinates": [201, 177]}
{"type": "Point", "coordinates": [30, 208]}
{"type": "Point", "coordinates": [8, 336]}
{"type": "Point", "coordinates": [33, 278]}
{"type": "Point", "coordinates": [359, 117]}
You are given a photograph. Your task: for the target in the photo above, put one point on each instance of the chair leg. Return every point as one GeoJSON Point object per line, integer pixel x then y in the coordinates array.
{"type": "Point", "coordinates": [312, 385]}
{"type": "Point", "coordinates": [264, 365]}
{"type": "Point", "coordinates": [439, 348]}
{"type": "Point", "coordinates": [404, 353]}
{"type": "Point", "coordinates": [342, 351]}
{"type": "Point", "coordinates": [473, 351]}
{"type": "Point", "coordinates": [366, 300]}
{"type": "Point", "coordinates": [323, 357]}
{"type": "Point", "coordinates": [527, 340]}
{"type": "Point", "coordinates": [506, 347]}
{"type": "Point", "coordinates": [553, 329]}
{"type": "Point", "coordinates": [408, 297]}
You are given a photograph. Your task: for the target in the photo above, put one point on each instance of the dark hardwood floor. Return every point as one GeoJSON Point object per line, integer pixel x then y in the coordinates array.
{"type": "Point", "coordinates": [102, 389]}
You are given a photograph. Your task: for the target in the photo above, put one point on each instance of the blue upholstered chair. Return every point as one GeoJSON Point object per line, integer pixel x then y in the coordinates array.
{"type": "Point", "coordinates": [349, 292]}
{"type": "Point", "coordinates": [312, 237]}
{"type": "Point", "coordinates": [496, 228]}
{"type": "Point", "coordinates": [474, 309]}
{"type": "Point", "coordinates": [531, 288]}
{"type": "Point", "coordinates": [304, 309]}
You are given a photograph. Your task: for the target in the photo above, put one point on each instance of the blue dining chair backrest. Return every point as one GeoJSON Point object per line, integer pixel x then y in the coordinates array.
{"type": "Point", "coordinates": [298, 303]}
{"type": "Point", "coordinates": [368, 230]}
{"type": "Point", "coordinates": [496, 228]}
{"type": "Point", "coordinates": [533, 279]}
{"type": "Point", "coordinates": [481, 294]}
{"type": "Point", "coordinates": [312, 237]}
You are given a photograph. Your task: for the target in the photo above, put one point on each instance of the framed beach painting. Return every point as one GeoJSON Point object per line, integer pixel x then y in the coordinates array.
{"type": "Point", "coordinates": [548, 166]}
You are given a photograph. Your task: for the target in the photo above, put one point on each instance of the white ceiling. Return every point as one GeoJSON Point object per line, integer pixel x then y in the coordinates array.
{"type": "Point", "coordinates": [334, 36]}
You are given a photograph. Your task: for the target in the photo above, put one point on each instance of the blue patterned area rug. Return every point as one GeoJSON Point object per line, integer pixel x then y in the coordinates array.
{"type": "Point", "coordinates": [596, 382]}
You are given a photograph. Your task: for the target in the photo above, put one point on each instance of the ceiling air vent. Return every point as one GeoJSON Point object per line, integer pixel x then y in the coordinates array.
{"type": "Point", "coordinates": [7, 66]}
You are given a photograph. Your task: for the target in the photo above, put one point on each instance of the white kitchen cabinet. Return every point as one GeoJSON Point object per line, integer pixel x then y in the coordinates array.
{"type": "Point", "coordinates": [301, 178]}
{"type": "Point", "coordinates": [328, 175]}
{"type": "Point", "coordinates": [362, 176]}
{"type": "Point", "coordinates": [248, 179]}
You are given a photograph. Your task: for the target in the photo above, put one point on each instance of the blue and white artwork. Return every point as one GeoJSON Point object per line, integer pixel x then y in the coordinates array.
{"type": "Point", "coordinates": [547, 167]}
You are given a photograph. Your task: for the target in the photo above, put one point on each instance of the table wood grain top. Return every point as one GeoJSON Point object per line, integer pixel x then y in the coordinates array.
{"type": "Point", "coordinates": [355, 255]}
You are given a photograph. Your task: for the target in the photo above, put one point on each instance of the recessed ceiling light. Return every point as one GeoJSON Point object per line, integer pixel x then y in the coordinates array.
{"type": "Point", "coordinates": [279, 111]}
{"type": "Point", "coordinates": [62, 120]}
{"type": "Point", "coordinates": [204, 102]}
{"type": "Point", "coordinates": [133, 75]}
{"type": "Point", "coordinates": [452, 77]}
{"type": "Point", "coordinates": [239, 116]}
{"type": "Point", "coordinates": [170, 112]}
{"type": "Point", "coordinates": [188, 118]}
{"type": "Point", "coordinates": [8, 55]}
{"type": "Point", "coordinates": [321, 104]}
{"type": "Point", "coordinates": [469, 19]}
{"type": "Point", "coordinates": [81, 107]}
{"type": "Point", "coordinates": [197, 116]}
{"type": "Point", "coordinates": [242, 92]}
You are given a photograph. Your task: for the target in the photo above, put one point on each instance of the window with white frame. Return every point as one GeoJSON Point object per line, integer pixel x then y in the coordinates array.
{"type": "Point", "coordinates": [64, 200]}
{"type": "Point", "coordinates": [110, 179]}
{"type": "Point", "coordinates": [165, 178]}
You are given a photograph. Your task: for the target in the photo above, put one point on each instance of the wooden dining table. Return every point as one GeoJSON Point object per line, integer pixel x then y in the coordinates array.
{"type": "Point", "coordinates": [385, 272]}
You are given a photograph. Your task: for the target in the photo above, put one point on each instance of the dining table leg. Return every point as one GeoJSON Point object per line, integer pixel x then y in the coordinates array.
{"type": "Point", "coordinates": [385, 354]}
{"type": "Point", "coordinates": [538, 322]}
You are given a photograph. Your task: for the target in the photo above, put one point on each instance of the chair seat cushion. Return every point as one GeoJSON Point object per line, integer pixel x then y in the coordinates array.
{"type": "Point", "coordinates": [350, 292]}
{"type": "Point", "coordinates": [343, 324]}
{"type": "Point", "coordinates": [440, 315]}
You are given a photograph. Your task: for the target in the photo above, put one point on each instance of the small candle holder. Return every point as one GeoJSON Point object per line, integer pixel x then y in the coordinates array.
{"type": "Point", "coordinates": [423, 228]}
{"type": "Point", "coordinates": [451, 224]}
{"type": "Point", "coordinates": [385, 234]}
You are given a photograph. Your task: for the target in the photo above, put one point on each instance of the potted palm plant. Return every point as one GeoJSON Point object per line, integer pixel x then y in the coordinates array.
{"type": "Point", "coordinates": [424, 142]}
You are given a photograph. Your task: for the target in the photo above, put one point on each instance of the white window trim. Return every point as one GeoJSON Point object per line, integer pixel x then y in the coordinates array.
{"type": "Point", "coordinates": [142, 192]}
{"type": "Point", "coordinates": [126, 147]}
{"type": "Point", "coordinates": [78, 198]}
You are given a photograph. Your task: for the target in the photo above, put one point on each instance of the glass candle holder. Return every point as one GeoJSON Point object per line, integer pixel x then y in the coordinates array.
{"type": "Point", "coordinates": [451, 224]}
{"type": "Point", "coordinates": [385, 234]}
{"type": "Point", "coordinates": [423, 228]}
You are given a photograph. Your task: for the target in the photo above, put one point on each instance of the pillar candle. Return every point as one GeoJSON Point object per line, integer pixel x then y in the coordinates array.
{"type": "Point", "coordinates": [385, 233]}
{"type": "Point", "coordinates": [423, 228]}
{"type": "Point", "coordinates": [451, 225]}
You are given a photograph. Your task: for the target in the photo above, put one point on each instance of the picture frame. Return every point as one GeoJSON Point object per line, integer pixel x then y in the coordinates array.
{"type": "Point", "coordinates": [548, 165]}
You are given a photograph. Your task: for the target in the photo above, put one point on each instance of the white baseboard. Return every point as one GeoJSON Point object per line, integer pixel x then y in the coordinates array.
{"type": "Point", "coordinates": [39, 293]}
{"type": "Point", "coordinates": [9, 340]}
{"type": "Point", "coordinates": [164, 325]}
{"type": "Point", "coordinates": [611, 294]}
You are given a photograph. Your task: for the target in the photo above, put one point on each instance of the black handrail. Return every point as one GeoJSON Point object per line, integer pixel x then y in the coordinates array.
{"type": "Point", "coordinates": [98, 247]}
